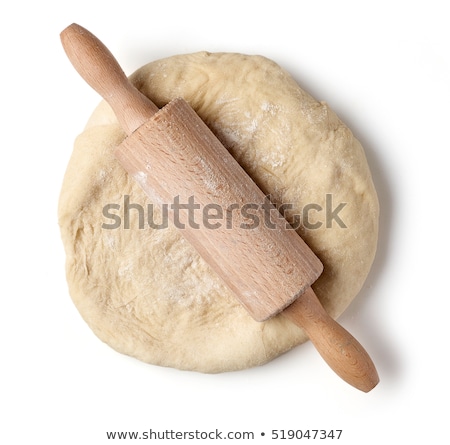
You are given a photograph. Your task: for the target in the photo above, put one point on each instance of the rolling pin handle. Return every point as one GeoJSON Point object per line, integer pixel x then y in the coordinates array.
{"type": "Point", "coordinates": [338, 348]}
{"type": "Point", "coordinates": [98, 67]}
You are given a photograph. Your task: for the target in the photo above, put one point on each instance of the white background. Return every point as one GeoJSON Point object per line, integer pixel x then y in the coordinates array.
{"type": "Point", "coordinates": [384, 67]}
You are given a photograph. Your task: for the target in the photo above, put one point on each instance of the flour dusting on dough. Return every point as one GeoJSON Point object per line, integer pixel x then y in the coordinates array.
{"type": "Point", "coordinates": [142, 179]}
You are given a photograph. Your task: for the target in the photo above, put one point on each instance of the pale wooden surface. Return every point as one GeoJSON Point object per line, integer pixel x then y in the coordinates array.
{"type": "Point", "coordinates": [337, 347]}
{"type": "Point", "coordinates": [173, 153]}
{"type": "Point", "coordinates": [99, 68]}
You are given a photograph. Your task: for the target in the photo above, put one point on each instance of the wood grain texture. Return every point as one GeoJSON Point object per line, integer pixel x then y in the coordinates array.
{"type": "Point", "coordinates": [265, 263]}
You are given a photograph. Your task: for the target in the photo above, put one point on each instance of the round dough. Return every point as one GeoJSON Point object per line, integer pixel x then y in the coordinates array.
{"type": "Point", "coordinates": [146, 292]}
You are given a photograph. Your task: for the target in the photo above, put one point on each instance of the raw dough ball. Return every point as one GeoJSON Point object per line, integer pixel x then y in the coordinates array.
{"type": "Point", "coordinates": [146, 292]}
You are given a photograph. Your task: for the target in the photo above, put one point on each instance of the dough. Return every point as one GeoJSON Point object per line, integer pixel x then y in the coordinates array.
{"type": "Point", "coordinates": [146, 292]}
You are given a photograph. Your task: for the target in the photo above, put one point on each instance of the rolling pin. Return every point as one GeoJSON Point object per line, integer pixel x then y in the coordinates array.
{"type": "Point", "coordinates": [174, 157]}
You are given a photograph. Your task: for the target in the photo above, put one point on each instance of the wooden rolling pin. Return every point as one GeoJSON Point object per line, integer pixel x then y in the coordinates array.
{"type": "Point", "coordinates": [177, 159]}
